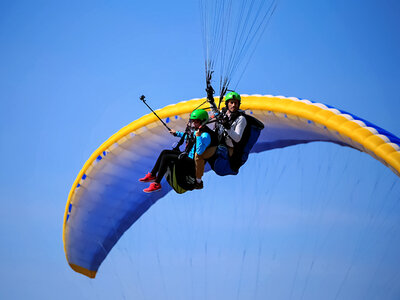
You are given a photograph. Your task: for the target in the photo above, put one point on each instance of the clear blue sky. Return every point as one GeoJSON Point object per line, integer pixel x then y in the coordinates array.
{"type": "Point", "coordinates": [316, 221]}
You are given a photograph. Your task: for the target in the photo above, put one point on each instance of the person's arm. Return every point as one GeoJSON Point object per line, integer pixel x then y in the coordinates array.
{"type": "Point", "coordinates": [202, 142]}
{"type": "Point", "coordinates": [236, 132]}
{"type": "Point", "coordinates": [179, 133]}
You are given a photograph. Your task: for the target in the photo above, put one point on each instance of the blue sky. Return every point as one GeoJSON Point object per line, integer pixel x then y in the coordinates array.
{"type": "Point", "coordinates": [308, 222]}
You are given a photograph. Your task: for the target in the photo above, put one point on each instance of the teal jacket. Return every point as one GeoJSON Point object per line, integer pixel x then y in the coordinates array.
{"type": "Point", "coordinates": [202, 142]}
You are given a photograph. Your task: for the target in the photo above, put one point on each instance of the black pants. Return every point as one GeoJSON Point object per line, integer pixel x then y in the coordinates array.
{"type": "Point", "coordinates": [165, 159]}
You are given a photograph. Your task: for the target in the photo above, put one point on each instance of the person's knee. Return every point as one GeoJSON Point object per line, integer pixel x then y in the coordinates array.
{"type": "Point", "coordinates": [209, 152]}
{"type": "Point", "coordinates": [198, 157]}
{"type": "Point", "coordinates": [230, 151]}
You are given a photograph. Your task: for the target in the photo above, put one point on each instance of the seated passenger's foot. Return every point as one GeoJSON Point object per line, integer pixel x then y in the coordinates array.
{"type": "Point", "coordinates": [154, 187]}
{"type": "Point", "coordinates": [148, 178]}
{"type": "Point", "coordinates": [198, 185]}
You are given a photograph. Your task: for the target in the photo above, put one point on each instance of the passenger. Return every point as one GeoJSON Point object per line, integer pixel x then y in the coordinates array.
{"type": "Point", "coordinates": [205, 151]}
{"type": "Point", "coordinates": [193, 158]}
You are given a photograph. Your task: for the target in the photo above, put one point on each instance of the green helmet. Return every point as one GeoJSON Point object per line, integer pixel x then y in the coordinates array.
{"type": "Point", "coordinates": [232, 96]}
{"type": "Point", "coordinates": [199, 114]}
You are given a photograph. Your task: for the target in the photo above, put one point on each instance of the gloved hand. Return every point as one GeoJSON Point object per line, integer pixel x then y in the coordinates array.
{"type": "Point", "coordinates": [210, 91]}
{"type": "Point", "coordinates": [225, 122]}
{"type": "Point", "coordinates": [210, 94]}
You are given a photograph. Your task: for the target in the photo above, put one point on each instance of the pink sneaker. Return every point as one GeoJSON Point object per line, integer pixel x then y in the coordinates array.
{"type": "Point", "coordinates": [147, 178]}
{"type": "Point", "coordinates": [154, 187]}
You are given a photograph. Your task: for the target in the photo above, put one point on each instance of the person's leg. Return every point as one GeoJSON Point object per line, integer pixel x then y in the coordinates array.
{"type": "Point", "coordinates": [156, 167]}
{"type": "Point", "coordinates": [200, 161]}
{"type": "Point", "coordinates": [230, 151]}
{"type": "Point", "coordinates": [151, 176]}
{"type": "Point", "coordinates": [165, 160]}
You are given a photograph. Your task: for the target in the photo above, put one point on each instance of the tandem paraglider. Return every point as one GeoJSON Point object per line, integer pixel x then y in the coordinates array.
{"type": "Point", "coordinates": [226, 147]}
{"type": "Point", "coordinates": [108, 185]}
{"type": "Point", "coordinates": [108, 194]}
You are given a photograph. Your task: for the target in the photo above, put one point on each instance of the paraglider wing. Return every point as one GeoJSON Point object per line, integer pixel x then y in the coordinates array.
{"type": "Point", "coordinates": [291, 121]}
{"type": "Point", "coordinates": [106, 197]}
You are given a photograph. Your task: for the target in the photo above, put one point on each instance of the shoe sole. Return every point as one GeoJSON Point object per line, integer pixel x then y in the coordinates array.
{"type": "Point", "coordinates": [152, 180]}
{"type": "Point", "coordinates": [148, 192]}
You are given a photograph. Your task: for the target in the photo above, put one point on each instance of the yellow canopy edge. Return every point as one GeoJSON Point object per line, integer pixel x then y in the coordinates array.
{"type": "Point", "coordinates": [290, 106]}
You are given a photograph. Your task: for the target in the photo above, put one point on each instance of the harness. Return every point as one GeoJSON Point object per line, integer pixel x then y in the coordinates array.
{"type": "Point", "coordinates": [191, 139]}
{"type": "Point", "coordinates": [213, 135]}
{"type": "Point", "coordinates": [181, 175]}
{"type": "Point", "coordinates": [233, 117]}
{"type": "Point", "coordinates": [241, 149]}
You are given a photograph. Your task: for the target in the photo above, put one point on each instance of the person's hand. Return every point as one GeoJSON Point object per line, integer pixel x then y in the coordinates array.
{"type": "Point", "coordinates": [225, 123]}
{"type": "Point", "coordinates": [173, 132]}
{"type": "Point", "coordinates": [210, 91]}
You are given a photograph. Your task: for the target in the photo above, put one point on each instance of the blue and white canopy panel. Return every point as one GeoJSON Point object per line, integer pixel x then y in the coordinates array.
{"type": "Point", "coordinates": [106, 197]}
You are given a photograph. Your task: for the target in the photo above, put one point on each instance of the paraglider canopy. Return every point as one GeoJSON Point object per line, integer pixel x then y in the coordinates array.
{"type": "Point", "coordinates": [106, 197]}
